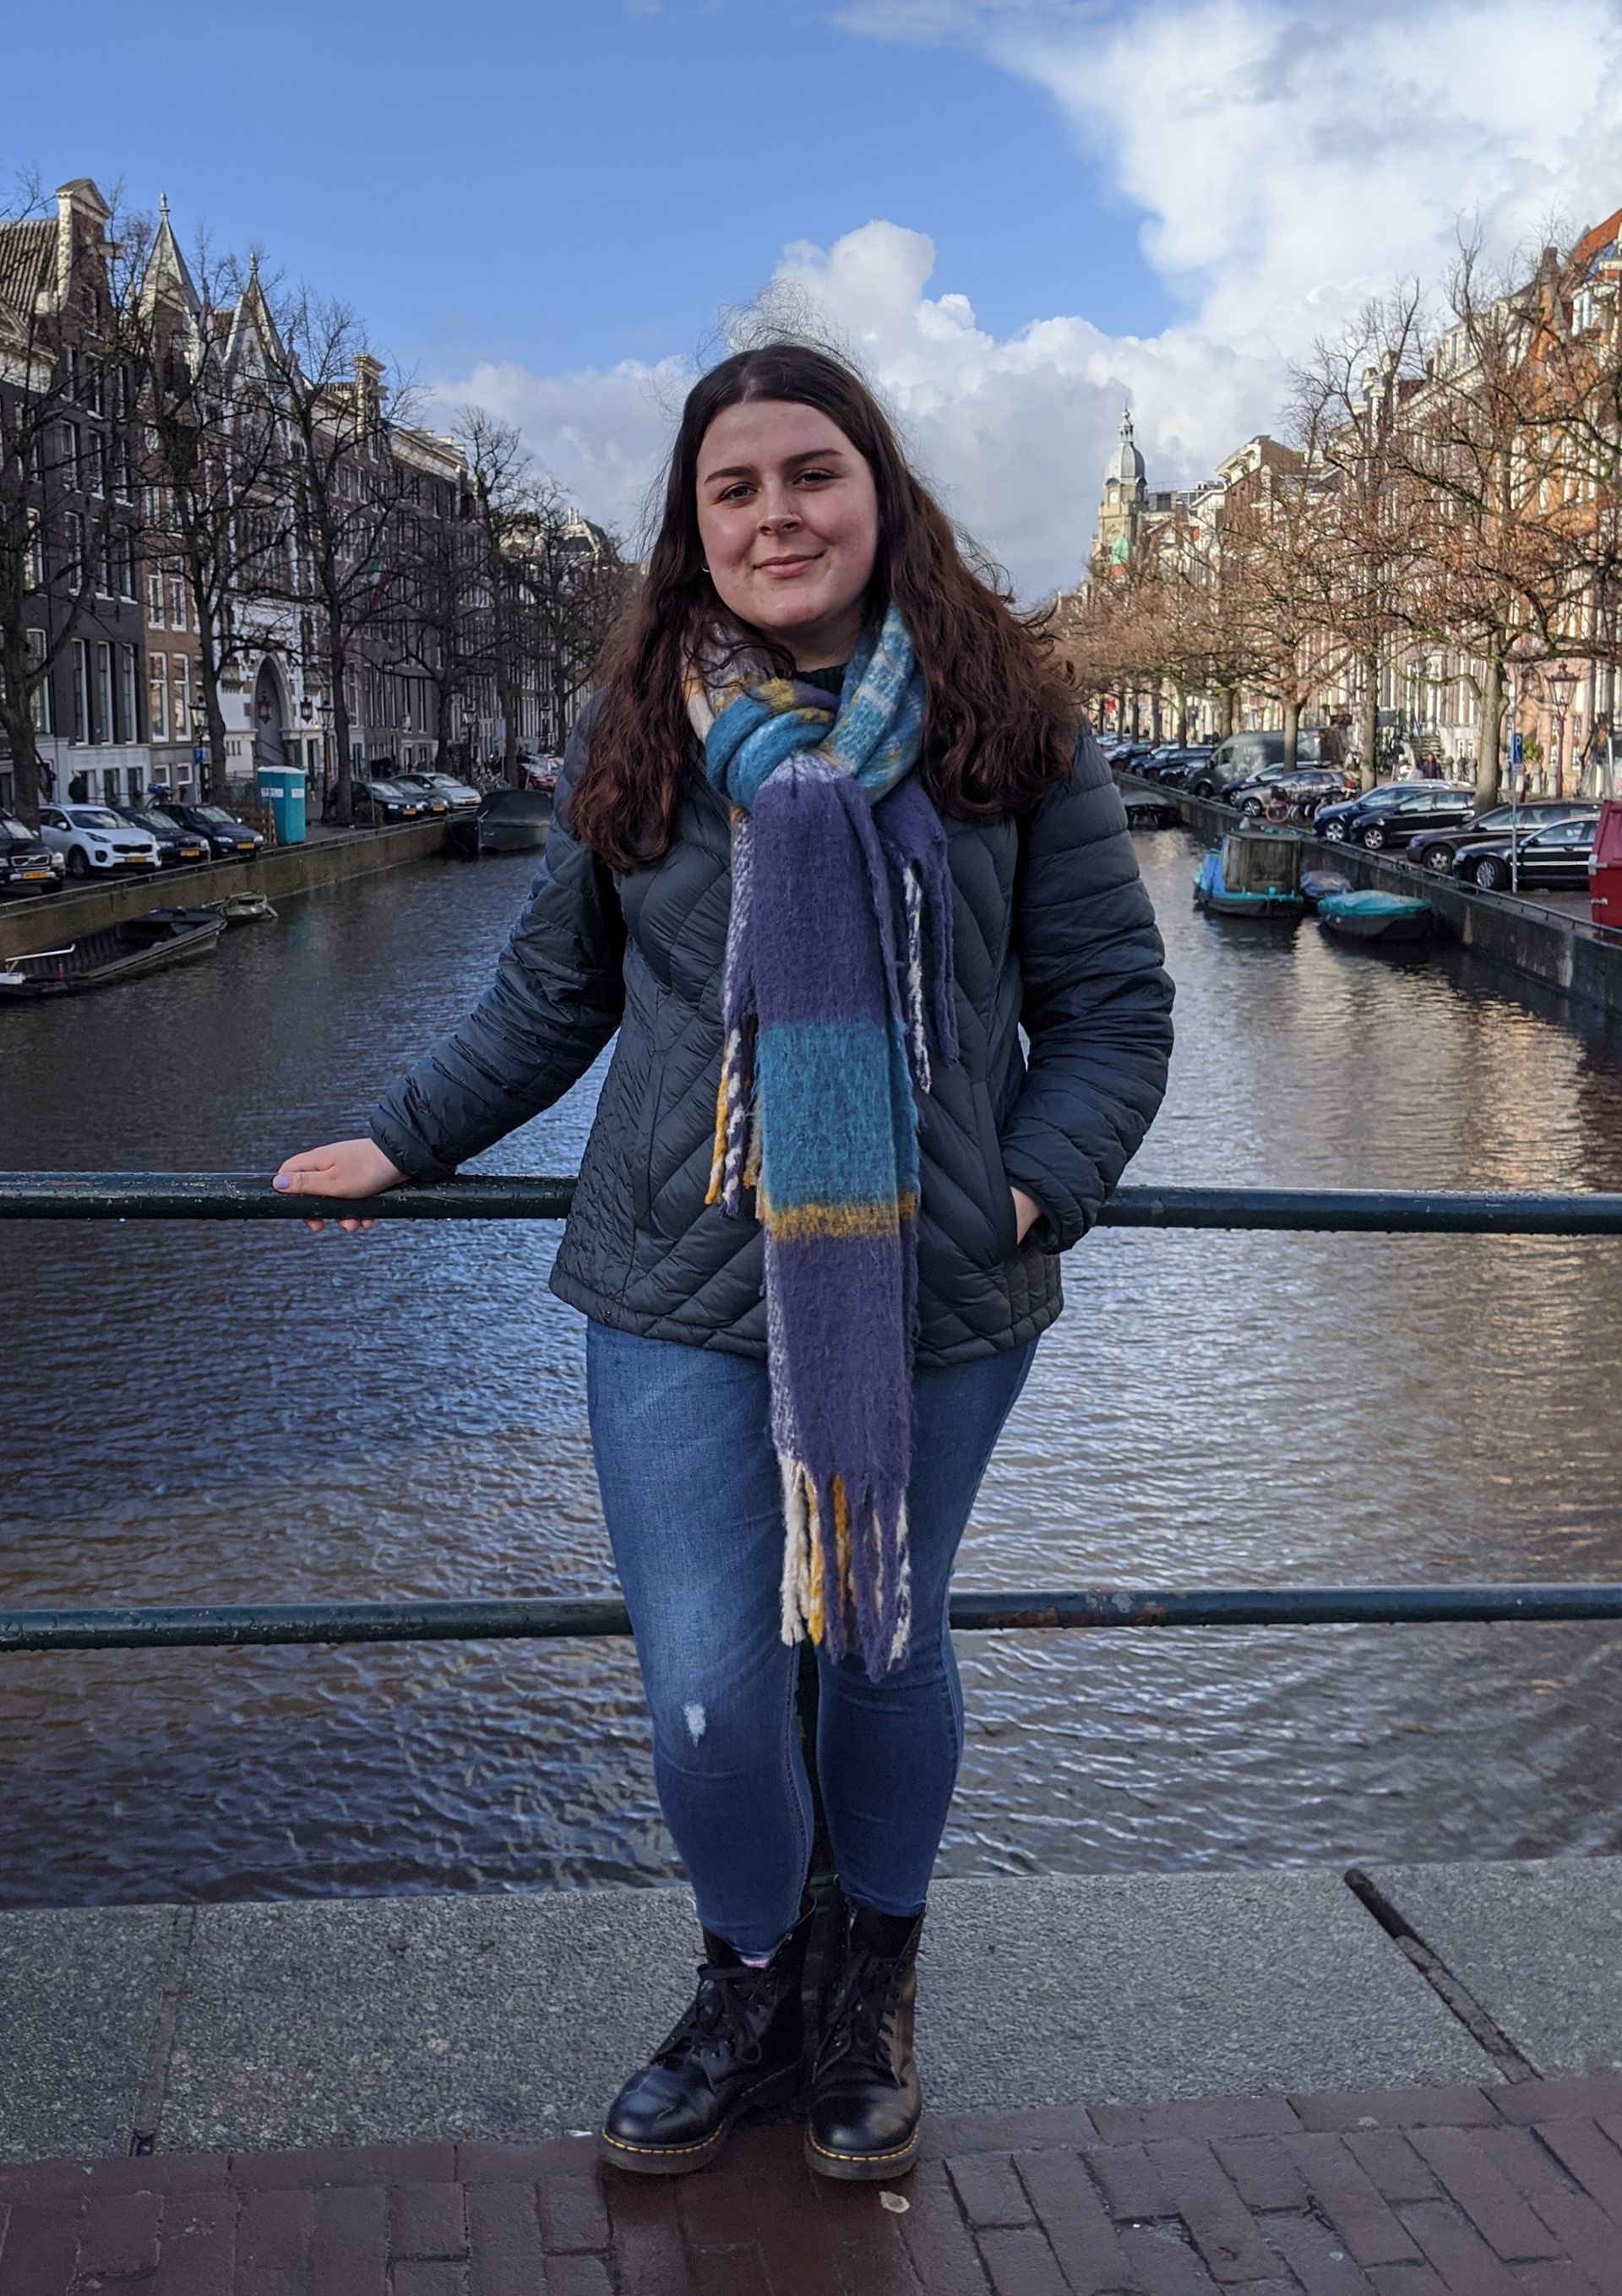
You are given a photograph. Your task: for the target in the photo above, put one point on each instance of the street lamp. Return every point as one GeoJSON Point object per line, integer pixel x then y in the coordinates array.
{"type": "Point", "coordinates": [1560, 684]}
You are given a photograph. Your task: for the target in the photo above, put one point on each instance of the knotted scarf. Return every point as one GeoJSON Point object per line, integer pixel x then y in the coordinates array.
{"type": "Point", "coordinates": [839, 952]}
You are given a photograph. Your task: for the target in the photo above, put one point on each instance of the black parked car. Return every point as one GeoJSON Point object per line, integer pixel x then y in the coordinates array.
{"type": "Point", "coordinates": [1555, 856]}
{"type": "Point", "coordinates": [1386, 819]}
{"type": "Point", "coordinates": [1308, 785]}
{"type": "Point", "coordinates": [227, 837]}
{"type": "Point", "coordinates": [372, 803]}
{"type": "Point", "coordinates": [177, 847]}
{"type": "Point", "coordinates": [1173, 767]}
{"type": "Point", "coordinates": [1438, 847]}
{"type": "Point", "coordinates": [27, 863]}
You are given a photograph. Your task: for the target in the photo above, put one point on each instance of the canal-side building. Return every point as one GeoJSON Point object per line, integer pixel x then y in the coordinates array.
{"type": "Point", "coordinates": [72, 531]}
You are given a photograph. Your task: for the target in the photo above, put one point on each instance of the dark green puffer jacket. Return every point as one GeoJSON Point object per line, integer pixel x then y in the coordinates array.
{"type": "Point", "coordinates": [1053, 932]}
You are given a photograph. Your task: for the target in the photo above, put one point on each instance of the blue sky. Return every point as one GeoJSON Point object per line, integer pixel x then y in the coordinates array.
{"type": "Point", "coordinates": [575, 182]}
{"type": "Point", "coordinates": [1019, 214]}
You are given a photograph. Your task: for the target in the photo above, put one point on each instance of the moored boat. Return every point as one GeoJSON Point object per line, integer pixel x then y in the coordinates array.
{"type": "Point", "coordinates": [1256, 872]}
{"type": "Point", "coordinates": [508, 821]}
{"type": "Point", "coordinates": [1375, 917]}
{"type": "Point", "coordinates": [1318, 884]}
{"type": "Point", "coordinates": [120, 952]}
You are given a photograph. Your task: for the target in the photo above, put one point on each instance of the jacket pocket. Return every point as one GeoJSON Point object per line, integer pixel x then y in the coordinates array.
{"type": "Point", "coordinates": [1002, 1220]}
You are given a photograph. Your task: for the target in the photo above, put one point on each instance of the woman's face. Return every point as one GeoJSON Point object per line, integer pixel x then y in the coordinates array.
{"type": "Point", "coordinates": [789, 520]}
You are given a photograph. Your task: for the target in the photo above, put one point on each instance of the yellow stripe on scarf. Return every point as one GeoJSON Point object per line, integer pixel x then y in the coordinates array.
{"type": "Point", "coordinates": [812, 1223]}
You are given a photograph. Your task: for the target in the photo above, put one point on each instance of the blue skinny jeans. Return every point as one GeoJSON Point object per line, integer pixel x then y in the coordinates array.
{"type": "Point", "coordinates": [693, 1499]}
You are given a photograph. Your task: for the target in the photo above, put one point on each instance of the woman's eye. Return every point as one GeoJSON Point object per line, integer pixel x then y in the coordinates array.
{"type": "Point", "coordinates": [734, 493]}
{"type": "Point", "coordinates": [816, 477]}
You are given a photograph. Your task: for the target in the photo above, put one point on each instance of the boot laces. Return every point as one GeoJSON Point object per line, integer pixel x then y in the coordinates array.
{"type": "Point", "coordinates": [715, 2028]}
{"type": "Point", "coordinates": [856, 2031]}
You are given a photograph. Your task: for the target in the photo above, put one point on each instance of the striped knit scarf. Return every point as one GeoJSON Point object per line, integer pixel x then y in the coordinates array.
{"type": "Point", "coordinates": [838, 857]}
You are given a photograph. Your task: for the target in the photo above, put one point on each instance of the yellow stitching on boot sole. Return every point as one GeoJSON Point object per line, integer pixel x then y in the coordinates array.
{"type": "Point", "coordinates": [660, 2152]}
{"type": "Point", "coordinates": [894, 2155]}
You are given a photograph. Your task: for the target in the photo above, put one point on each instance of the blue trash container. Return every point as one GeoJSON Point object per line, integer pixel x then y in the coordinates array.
{"type": "Point", "coordinates": [283, 787]}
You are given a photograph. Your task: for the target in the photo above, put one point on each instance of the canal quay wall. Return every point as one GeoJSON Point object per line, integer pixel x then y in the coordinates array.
{"type": "Point", "coordinates": [276, 872]}
{"type": "Point", "coordinates": [1563, 953]}
{"type": "Point", "coordinates": [512, 2018]}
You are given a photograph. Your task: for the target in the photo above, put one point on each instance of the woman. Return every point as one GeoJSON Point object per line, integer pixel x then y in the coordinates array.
{"type": "Point", "coordinates": [827, 837]}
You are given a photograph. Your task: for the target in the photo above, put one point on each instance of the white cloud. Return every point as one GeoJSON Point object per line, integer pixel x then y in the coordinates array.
{"type": "Point", "coordinates": [1289, 158]}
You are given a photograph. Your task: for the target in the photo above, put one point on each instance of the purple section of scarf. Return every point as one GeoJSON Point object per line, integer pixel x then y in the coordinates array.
{"type": "Point", "coordinates": [827, 927]}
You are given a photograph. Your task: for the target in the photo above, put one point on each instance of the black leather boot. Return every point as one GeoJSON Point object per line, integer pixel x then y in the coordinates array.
{"type": "Point", "coordinates": [740, 2044]}
{"type": "Point", "coordinates": [865, 2101]}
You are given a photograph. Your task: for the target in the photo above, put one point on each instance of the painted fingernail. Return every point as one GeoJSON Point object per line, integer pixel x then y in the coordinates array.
{"type": "Point", "coordinates": [279, 1183]}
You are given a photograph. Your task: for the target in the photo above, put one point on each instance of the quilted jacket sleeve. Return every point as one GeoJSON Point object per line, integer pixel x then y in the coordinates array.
{"type": "Point", "coordinates": [1096, 1003]}
{"type": "Point", "coordinates": [556, 999]}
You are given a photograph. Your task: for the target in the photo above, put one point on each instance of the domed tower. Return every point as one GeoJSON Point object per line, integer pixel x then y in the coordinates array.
{"type": "Point", "coordinates": [1122, 503]}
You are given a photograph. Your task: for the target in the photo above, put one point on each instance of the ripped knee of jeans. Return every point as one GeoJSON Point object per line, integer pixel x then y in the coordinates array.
{"type": "Point", "coordinates": [696, 1719]}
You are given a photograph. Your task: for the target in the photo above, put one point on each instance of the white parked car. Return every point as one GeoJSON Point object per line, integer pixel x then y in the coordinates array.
{"type": "Point", "coordinates": [95, 842]}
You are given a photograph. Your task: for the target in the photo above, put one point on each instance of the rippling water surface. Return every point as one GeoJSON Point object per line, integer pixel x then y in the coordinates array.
{"type": "Point", "coordinates": [245, 1413]}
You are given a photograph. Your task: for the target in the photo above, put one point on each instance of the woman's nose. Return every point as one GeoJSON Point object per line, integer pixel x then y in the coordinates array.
{"type": "Point", "coordinates": [776, 515]}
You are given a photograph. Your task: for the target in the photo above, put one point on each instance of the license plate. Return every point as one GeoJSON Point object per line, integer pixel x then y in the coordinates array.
{"type": "Point", "coordinates": [34, 876]}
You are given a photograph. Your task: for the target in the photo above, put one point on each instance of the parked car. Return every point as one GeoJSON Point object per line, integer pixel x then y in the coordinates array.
{"type": "Point", "coordinates": [1555, 856]}
{"type": "Point", "coordinates": [28, 865]}
{"type": "Point", "coordinates": [429, 798]}
{"type": "Point", "coordinates": [1176, 767]}
{"type": "Point", "coordinates": [1438, 847]}
{"type": "Point", "coordinates": [227, 837]}
{"type": "Point", "coordinates": [1237, 756]}
{"type": "Point", "coordinates": [1307, 787]}
{"type": "Point", "coordinates": [177, 847]}
{"type": "Point", "coordinates": [95, 841]}
{"type": "Point", "coordinates": [376, 802]}
{"type": "Point", "coordinates": [1386, 818]}
{"type": "Point", "coordinates": [458, 795]}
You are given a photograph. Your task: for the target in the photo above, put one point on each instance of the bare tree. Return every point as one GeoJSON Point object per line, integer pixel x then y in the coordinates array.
{"type": "Point", "coordinates": [1509, 458]}
{"type": "Point", "coordinates": [502, 481]}
{"type": "Point", "coordinates": [218, 503]}
{"type": "Point", "coordinates": [574, 577]}
{"type": "Point", "coordinates": [1349, 407]}
{"type": "Point", "coordinates": [339, 408]}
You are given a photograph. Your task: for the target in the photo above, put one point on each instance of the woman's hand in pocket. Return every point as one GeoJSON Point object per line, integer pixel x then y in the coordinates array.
{"type": "Point", "coordinates": [344, 1168]}
{"type": "Point", "coordinates": [1028, 1211]}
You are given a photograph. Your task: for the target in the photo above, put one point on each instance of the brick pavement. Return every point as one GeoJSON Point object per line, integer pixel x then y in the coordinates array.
{"type": "Point", "coordinates": [1514, 2191]}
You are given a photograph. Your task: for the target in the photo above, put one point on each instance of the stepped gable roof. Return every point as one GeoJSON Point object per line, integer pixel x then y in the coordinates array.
{"type": "Point", "coordinates": [1125, 465]}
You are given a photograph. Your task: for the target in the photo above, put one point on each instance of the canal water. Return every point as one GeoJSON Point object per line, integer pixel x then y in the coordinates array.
{"type": "Point", "coordinates": [219, 1412]}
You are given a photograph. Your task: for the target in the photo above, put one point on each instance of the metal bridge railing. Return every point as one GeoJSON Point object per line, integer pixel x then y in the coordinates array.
{"type": "Point", "coordinates": [226, 1195]}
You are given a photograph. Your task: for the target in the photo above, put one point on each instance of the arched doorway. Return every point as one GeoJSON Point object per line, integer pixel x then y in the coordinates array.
{"type": "Point", "coordinates": [269, 717]}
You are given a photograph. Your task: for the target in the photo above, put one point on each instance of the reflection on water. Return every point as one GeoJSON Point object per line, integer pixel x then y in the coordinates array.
{"type": "Point", "coordinates": [243, 1414]}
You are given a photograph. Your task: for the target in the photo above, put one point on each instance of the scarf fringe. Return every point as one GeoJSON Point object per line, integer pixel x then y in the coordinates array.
{"type": "Point", "coordinates": [847, 1586]}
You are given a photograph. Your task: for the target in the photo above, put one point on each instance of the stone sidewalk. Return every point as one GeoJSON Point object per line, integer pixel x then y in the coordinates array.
{"type": "Point", "coordinates": [1510, 2191]}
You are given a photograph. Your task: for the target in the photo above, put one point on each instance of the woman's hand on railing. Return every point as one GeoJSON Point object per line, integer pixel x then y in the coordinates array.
{"type": "Point", "coordinates": [344, 1168]}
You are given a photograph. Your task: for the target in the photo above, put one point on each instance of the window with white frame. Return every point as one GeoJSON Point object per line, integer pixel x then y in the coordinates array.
{"type": "Point", "coordinates": [39, 700]}
{"type": "Point", "coordinates": [129, 693]}
{"type": "Point", "coordinates": [178, 602]}
{"type": "Point", "coordinates": [154, 598]}
{"type": "Point", "coordinates": [104, 731]}
{"type": "Point", "coordinates": [181, 705]}
{"type": "Point", "coordinates": [157, 699]}
{"type": "Point", "coordinates": [81, 690]}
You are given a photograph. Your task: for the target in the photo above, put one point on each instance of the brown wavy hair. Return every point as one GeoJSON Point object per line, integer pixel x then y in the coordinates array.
{"type": "Point", "coordinates": [1000, 714]}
